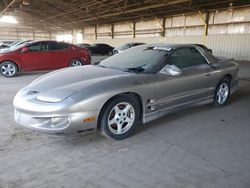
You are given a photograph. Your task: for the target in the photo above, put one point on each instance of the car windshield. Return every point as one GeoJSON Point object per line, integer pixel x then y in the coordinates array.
{"type": "Point", "coordinates": [144, 59]}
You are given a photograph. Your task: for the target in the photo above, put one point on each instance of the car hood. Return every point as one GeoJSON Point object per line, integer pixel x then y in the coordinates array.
{"type": "Point", "coordinates": [60, 84]}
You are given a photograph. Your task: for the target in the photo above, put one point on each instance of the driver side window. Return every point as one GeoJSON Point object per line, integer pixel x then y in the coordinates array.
{"type": "Point", "coordinates": [186, 57]}
{"type": "Point", "coordinates": [35, 47]}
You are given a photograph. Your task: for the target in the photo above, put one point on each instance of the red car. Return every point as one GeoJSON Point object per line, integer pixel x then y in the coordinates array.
{"type": "Point", "coordinates": [42, 55]}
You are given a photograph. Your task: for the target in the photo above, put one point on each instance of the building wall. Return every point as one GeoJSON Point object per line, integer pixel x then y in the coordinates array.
{"type": "Point", "coordinates": [228, 32]}
{"type": "Point", "coordinates": [10, 32]}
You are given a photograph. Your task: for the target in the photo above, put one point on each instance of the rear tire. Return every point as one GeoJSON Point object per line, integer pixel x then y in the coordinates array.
{"type": "Point", "coordinates": [110, 53]}
{"type": "Point", "coordinates": [8, 69]}
{"type": "Point", "coordinates": [222, 93]}
{"type": "Point", "coordinates": [120, 118]}
{"type": "Point", "coordinates": [75, 63]}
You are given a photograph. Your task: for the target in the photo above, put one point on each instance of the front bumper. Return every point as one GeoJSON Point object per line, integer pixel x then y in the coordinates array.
{"type": "Point", "coordinates": [63, 117]}
{"type": "Point", "coordinates": [66, 124]}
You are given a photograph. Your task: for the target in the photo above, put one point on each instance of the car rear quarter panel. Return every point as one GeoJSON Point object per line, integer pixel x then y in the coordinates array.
{"type": "Point", "coordinates": [227, 68]}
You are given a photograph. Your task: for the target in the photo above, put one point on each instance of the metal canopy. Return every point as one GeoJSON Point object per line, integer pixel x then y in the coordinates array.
{"type": "Point", "coordinates": [65, 14]}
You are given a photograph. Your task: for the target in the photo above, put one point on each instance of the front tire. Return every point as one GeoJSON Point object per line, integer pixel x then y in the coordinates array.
{"type": "Point", "coordinates": [76, 62]}
{"type": "Point", "coordinates": [120, 118]}
{"type": "Point", "coordinates": [8, 69]}
{"type": "Point", "coordinates": [222, 93]}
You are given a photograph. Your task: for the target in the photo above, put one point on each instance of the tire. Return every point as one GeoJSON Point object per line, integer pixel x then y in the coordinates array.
{"type": "Point", "coordinates": [8, 69]}
{"type": "Point", "coordinates": [110, 53]}
{"type": "Point", "coordinates": [120, 118]}
{"type": "Point", "coordinates": [222, 93]}
{"type": "Point", "coordinates": [75, 63]}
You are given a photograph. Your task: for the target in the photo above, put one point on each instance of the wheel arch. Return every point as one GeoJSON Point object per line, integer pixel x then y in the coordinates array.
{"type": "Point", "coordinates": [17, 65]}
{"type": "Point", "coordinates": [229, 78]}
{"type": "Point", "coordinates": [132, 94]}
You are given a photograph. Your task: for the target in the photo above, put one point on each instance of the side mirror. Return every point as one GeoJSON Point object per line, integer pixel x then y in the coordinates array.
{"type": "Point", "coordinates": [171, 70]}
{"type": "Point", "coordinates": [25, 49]}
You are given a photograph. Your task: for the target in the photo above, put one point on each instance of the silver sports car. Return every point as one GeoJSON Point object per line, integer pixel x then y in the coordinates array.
{"type": "Point", "coordinates": [136, 86]}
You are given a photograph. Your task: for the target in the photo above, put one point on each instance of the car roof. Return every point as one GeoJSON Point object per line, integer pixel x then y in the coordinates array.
{"type": "Point", "coordinates": [168, 45]}
{"type": "Point", "coordinates": [35, 41]}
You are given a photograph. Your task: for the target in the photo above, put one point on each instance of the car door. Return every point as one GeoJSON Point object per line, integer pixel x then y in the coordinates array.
{"type": "Point", "coordinates": [192, 85]}
{"type": "Point", "coordinates": [59, 55]}
{"type": "Point", "coordinates": [101, 49]}
{"type": "Point", "coordinates": [36, 57]}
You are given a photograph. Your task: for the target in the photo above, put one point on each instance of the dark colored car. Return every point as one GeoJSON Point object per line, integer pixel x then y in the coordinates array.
{"type": "Point", "coordinates": [83, 45]}
{"type": "Point", "coordinates": [103, 49]}
{"type": "Point", "coordinates": [9, 42]}
{"type": "Point", "coordinates": [205, 48]}
{"type": "Point", "coordinates": [126, 46]}
{"type": "Point", "coordinates": [42, 55]}
{"type": "Point", "coordinates": [4, 45]}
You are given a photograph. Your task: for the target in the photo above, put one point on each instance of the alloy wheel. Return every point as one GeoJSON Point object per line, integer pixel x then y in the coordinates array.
{"type": "Point", "coordinates": [121, 118]}
{"type": "Point", "coordinates": [222, 93]}
{"type": "Point", "coordinates": [8, 70]}
{"type": "Point", "coordinates": [76, 63]}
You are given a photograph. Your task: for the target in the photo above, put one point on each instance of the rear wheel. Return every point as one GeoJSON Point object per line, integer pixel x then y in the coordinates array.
{"type": "Point", "coordinates": [120, 118]}
{"type": "Point", "coordinates": [8, 69]}
{"type": "Point", "coordinates": [110, 53]}
{"type": "Point", "coordinates": [222, 93]}
{"type": "Point", "coordinates": [76, 62]}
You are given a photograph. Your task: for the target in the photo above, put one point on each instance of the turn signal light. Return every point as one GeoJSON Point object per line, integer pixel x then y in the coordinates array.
{"type": "Point", "coordinates": [89, 119]}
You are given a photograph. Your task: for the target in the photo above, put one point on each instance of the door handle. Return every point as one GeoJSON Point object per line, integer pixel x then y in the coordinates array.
{"type": "Point", "coordinates": [208, 74]}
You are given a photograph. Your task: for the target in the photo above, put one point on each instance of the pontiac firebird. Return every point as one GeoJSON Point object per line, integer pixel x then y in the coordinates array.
{"type": "Point", "coordinates": [133, 87]}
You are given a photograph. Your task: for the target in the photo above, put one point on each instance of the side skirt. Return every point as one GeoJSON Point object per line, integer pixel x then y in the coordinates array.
{"type": "Point", "coordinates": [159, 113]}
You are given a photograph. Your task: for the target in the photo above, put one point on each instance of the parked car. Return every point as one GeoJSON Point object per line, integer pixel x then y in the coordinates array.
{"type": "Point", "coordinates": [4, 45]}
{"type": "Point", "coordinates": [139, 85]}
{"type": "Point", "coordinates": [126, 46]}
{"type": "Point", "coordinates": [7, 41]}
{"type": "Point", "coordinates": [14, 45]}
{"type": "Point", "coordinates": [103, 49]}
{"type": "Point", "coordinates": [205, 48]}
{"type": "Point", "coordinates": [83, 45]}
{"type": "Point", "coordinates": [42, 55]}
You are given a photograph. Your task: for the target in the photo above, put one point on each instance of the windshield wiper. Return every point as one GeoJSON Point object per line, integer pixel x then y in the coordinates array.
{"type": "Point", "coordinates": [135, 69]}
{"type": "Point", "coordinates": [99, 65]}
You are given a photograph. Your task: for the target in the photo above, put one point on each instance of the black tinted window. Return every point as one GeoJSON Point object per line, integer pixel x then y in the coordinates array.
{"type": "Point", "coordinates": [186, 57]}
{"type": "Point", "coordinates": [35, 47]}
{"type": "Point", "coordinates": [58, 46]}
{"type": "Point", "coordinates": [41, 46]}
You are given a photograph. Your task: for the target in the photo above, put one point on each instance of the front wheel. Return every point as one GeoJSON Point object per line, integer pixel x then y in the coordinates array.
{"type": "Point", "coordinates": [120, 118]}
{"type": "Point", "coordinates": [8, 69]}
{"type": "Point", "coordinates": [76, 62]}
{"type": "Point", "coordinates": [222, 93]}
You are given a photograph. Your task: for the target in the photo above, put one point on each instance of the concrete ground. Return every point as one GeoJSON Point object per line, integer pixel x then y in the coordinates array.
{"type": "Point", "coordinates": [201, 147]}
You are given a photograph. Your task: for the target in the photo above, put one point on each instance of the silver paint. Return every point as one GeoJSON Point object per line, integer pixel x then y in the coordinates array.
{"type": "Point", "coordinates": [73, 94]}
